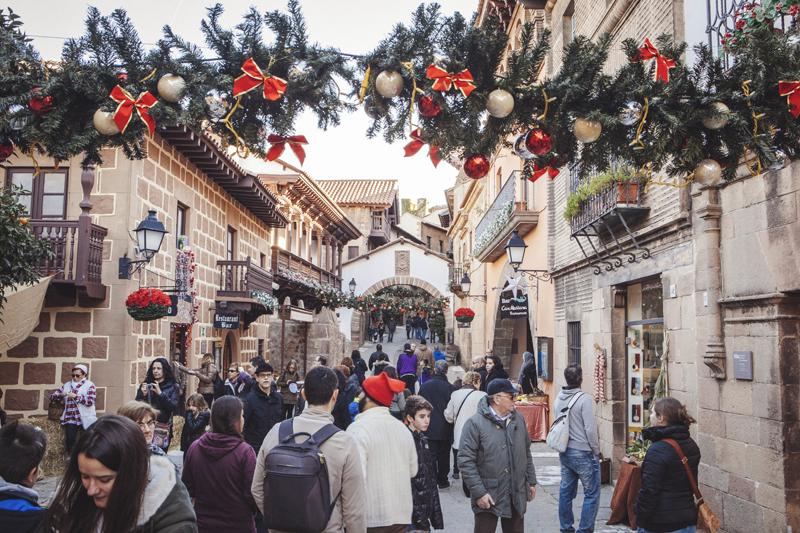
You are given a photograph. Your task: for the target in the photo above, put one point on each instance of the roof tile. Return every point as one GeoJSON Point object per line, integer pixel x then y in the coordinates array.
{"type": "Point", "coordinates": [360, 192]}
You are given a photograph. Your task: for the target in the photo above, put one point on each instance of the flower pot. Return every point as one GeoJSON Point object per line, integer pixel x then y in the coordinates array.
{"type": "Point", "coordinates": [628, 192]}
{"type": "Point", "coordinates": [150, 312]}
{"type": "Point", "coordinates": [465, 319]}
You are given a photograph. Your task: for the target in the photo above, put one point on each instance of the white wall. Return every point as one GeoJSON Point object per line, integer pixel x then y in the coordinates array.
{"type": "Point", "coordinates": [411, 223]}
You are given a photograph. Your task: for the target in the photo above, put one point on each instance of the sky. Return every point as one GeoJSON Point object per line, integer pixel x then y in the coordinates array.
{"type": "Point", "coordinates": [352, 26]}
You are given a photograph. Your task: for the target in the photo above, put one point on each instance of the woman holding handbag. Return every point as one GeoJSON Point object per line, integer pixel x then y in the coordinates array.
{"type": "Point", "coordinates": [79, 396]}
{"type": "Point", "coordinates": [666, 500]}
{"type": "Point", "coordinates": [160, 390]}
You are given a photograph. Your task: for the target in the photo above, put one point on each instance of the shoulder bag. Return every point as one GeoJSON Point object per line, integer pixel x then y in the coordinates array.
{"type": "Point", "coordinates": [706, 519]}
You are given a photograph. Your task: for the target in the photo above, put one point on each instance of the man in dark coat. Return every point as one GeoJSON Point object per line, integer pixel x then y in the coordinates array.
{"type": "Point", "coordinates": [440, 432]}
{"type": "Point", "coordinates": [374, 357]}
{"type": "Point", "coordinates": [494, 456]}
{"type": "Point", "coordinates": [263, 408]}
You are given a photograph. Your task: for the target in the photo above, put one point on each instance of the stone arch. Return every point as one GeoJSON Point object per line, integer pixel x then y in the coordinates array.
{"type": "Point", "coordinates": [403, 280]}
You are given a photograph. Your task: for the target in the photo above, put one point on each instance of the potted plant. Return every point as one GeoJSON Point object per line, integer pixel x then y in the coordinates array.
{"type": "Point", "coordinates": [624, 178]}
{"type": "Point", "coordinates": [464, 314]}
{"type": "Point", "coordinates": [147, 304]}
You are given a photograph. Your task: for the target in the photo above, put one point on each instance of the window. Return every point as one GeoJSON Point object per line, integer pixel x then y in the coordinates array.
{"type": "Point", "coordinates": [180, 223]}
{"type": "Point", "coordinates": [429, 242]}
{"type": "Point", "coordinates": [231, 245]}
{"type": "Point", "coordinates": [574, 342]}
{"type": "Point", "coordinates": [352, 252]}
{"type": "Point", "coordinates": [261, 347]}
{"type": "Point", "coordinates": [263, 261]}
{"type": "Point", "coordinates": [46, 194]}
{"type": "Point", "coordinates": [441, 247]}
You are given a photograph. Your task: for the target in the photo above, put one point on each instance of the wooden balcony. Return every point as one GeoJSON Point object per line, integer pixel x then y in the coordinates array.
{"type": "Point", "coordinates": [77, 263]}
{"type": "Point", "coordinates": [380, 229]}
{"type": "Point", "coordinates": [238, 278]}
{"type": "Point", "coordinates": [294, 288]}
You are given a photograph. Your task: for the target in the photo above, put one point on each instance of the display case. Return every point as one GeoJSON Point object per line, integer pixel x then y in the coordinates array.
{"type": "Point", "coordinates": [544, 350]}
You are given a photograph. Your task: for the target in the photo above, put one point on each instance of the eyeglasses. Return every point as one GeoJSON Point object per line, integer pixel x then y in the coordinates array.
{"type": "Point", "coordinates": [232, 371]}
{"type": "Point", "coordinates": [150, 424]}
{"type": "Point", "coordinates": [77, 375]}
{"type": "Point", "coordinates": [510, 397]}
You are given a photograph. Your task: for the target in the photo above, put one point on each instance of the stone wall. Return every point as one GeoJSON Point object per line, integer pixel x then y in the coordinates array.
{"type": "Point", "coordinates": [322, 335]}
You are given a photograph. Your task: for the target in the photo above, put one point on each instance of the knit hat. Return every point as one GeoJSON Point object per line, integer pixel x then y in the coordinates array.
{"type": "Point", "coordinates": [382, 388]}
{"type": "Point", "coordinates": [81, 367]}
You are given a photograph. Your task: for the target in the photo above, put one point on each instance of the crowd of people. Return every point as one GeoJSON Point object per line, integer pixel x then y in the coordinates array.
{"type": "Point", "coordinates": [370, 452]}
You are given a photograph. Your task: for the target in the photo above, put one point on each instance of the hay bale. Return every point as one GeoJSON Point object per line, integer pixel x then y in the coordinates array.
{"type": "Point", "coordinates": [53, 462]}
{"type": "Point", "coordinates": [177, 429]}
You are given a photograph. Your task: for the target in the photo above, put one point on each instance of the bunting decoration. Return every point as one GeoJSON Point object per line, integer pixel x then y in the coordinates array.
{"type": "Point", "coordinates": [648, 51]}
{"type": "Point", "coordinates": [279, 143]}
{"type": "Point", "coordinates": [416, 145]}
{"type": "Point", "coordinates": [274, 87]}
{"type": "Point", "coordinates": [444, 80]}
{"type": "Point", "coordinates": [124, 111]}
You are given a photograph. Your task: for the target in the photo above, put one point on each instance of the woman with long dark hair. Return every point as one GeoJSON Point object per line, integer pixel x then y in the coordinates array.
{"type": "Point", "coordinates": [495, 370]}
{"type": "Point", "coordinates": [341, 409]}
{"type": "Point", "coordinates": [160, 390]}
{"type": "Point", "coordinates": [289, 376]}
{"type": "Point", "coordinates": [666, 500]}
{"type": "Point", "coordinates": [218, 471]}
{"type": "Point", "coordinates": [113, 485]}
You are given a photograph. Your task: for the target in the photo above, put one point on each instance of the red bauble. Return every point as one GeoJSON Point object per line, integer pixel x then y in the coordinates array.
{"type": "Point", "coordinates": [41, 105]}
{"type": "Point", "coordinates": [122, 76]}
{"type": "Point", "coordinates": [428, 107]}
{"type": "Point", "coordinates": [476, 166]}
{"type": "Point", "coordinates": [538, 141]}
{"type": "Point", "coordinates": [6, 149]}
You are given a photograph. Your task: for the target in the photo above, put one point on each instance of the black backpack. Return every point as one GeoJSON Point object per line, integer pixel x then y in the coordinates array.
{"type": "Point", "coordinates": [297, 495]}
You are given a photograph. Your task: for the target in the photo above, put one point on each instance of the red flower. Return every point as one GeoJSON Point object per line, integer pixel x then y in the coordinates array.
{"type": "Point", "coordinates": [464, 311]}
{"type": "Point", "coordinates": [144, 297]}
{"type": "Point", "coordinates": [793, 10]}
{"type": "Point", "coordinates": [740, 24]}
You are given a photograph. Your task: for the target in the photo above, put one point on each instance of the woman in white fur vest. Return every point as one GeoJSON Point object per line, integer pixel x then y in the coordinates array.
{"type": "Point", "coordinates": [79, 396]}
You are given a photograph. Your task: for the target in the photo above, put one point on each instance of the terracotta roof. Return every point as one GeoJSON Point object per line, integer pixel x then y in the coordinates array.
{"type": "Point", "coordinates": [361, 192]}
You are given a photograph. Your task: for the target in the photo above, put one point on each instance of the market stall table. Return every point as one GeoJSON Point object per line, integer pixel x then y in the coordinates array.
{"type": "Point", "coordinates": [627, 489]}
{"type": "Point", "coordinates": [536, 418]}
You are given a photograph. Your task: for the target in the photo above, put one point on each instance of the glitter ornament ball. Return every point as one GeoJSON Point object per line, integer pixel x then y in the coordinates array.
{"type": "Point", "coordinates": [371, 109]}
{"type": "Point", "coordinates": [217, 107]}
{"type": "Point", "coordinates": [708, 172]}
{"type": "Point", "coordinates": [6, 149]}
{"type": "Point", "coordinates": [104, 122]}
{"type": "Point", "coordinates": [20, 120]}
{"type": "Point", "coordinates": [630, 113]}
{"type": "Point", "coordinates": [780, 160]}
{"type": "Point", "coordinates": [520, 150]}
{"type": "Point", "coordinates": [716, 123]}
{"type": "Point", "coordinates": [538, 141]}
{"type": "Point", "coordinates": [476, 166]}
{"type": "Point", "coordinates": [500, 103]}
{"type": "Point", "coordinates": [41, 105]}
{"type": "Point", "coordinates": [428, 107]}
{"type": "Point", "coordinates": [171, 87]}
{"type": "Point", "coordinates": [122, 76]}
{"type": "Point", "coordinates": [587, 131]}
{"type": "Point", "coordinates": [389, 83]}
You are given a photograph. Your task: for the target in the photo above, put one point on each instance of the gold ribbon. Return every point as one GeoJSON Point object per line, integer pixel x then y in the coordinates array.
{"type": "Point", "coordinates": [638, 140]}
{"type": "Point", "coordinates": [547, 100]}
{"type": "Point", "coordinates": [409, 65]}
{"type": "Point", "coordinates": [757, 165]}
{"type": "Point", "coordinates": [649, 171]}
{"type": "Point", "coordinates": [241, 148]}
{"type": "Point", "coordinates": [364, 86]}
{"type": "Point", "coordinates": [148, 76]}
{"type": "Point", "coordinates": [36, 168]}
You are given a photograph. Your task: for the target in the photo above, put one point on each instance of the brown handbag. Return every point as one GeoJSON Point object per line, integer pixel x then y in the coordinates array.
{"type": "Point", "coordinates": [706, 519]}
{"type": "Point", "coordinates": [55, 409]}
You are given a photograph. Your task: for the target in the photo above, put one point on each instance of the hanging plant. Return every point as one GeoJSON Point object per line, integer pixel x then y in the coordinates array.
{"type": "Point", "coordinates": [147, 304]}
{"type": "Point", "coordinates": [464, 314]}
{"type": "Point", "coordinates": [596, 185]}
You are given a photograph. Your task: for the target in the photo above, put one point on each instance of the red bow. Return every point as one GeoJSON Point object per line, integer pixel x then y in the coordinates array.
{"type": "Point", "coordinates": [416, 145]}
{"type": "Point", "coordinates": [549, 170]}
{"type": "Point", "coordinates": [789, 89]}
{"type": "Point", "coordinates": [279, 145]}
{"type": "Point", "coordinates": [274, 87]}
{"type": "Point", "coordinates": [648, 51]}
{"type": "Point", "coordinates": [124, 112]}
{"type": "Point", "coordinates": [445, 80]}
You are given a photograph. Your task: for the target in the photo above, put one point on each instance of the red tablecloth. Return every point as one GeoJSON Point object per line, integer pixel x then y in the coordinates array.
{"type": "Point", "coordinates": [536, 418]}
{"type": "Point", "coordinates": [625, 493]}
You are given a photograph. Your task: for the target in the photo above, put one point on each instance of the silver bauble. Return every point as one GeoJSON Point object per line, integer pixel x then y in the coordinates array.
{"type": "Point", "coordinates": [104, 122]}
{"type": "Point", "coordinates": [389, 83]}
{"type": "Point", "coordinates": [171, 87]}
{"type": "Point", "coordinates": [500, 103]}
{"type": "Point", "coordinates": [630, 113]}
{"type": "Point", "coordinates": [217, 107]}
{"type": "Point", "coordinates": [520, 150]}
{"type": "Point", "coordinates": [708, 172]}
{"type": "Point", "coordinates": [781, 160]}
{"type": "Point", "coordinates": [371, 109]}
{"type": "Point", "coordinates": [20, 120]}
{"type": "Point", "coordinates": [298, 72]}
{"type": "Point", "coordinates": [587, 131]}
{"type": "Point", "coordinates": [716, 123]}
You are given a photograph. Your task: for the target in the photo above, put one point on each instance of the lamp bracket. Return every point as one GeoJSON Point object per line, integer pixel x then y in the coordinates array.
{"type": "Point", "coordinates": [481, 297]}
{"type": "Point", "coordinates": [128, 267]}
{"type": "Point", "coordinates": [532, 275]}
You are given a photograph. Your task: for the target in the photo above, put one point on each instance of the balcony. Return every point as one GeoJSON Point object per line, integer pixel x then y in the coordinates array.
{"type": "Point", "coordinates": [77, 264]}
{"type": "Point", "coordinates": [299, 279]}
{"type": "Point", "coordinates": [511, 210]}
{"type": "Point", "coordinates": [455, 275]}
{"type": "Point", "coordinates": [238, 278]}
{"type": "Point", "coordinates": [380, 228]}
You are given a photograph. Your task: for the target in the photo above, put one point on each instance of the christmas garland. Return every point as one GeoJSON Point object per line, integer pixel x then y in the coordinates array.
{"type": "Point", "coordinates": [270, 303]}
{"type": "Point", "coordinates": [496, 226]}
{"type": "Point", "coordinates": [436, 78]}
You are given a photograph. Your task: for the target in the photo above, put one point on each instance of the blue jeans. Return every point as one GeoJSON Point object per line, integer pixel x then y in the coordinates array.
{"type": "Point", "coordinates": [690, 529]}
{"type": "Point", "coordinates": [583, 465]}
{"type": "Point", "coordinates": [418, 333]}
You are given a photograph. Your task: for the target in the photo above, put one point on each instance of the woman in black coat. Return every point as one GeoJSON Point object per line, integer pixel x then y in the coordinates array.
{"type": "Point", "coordinates": [359, 365]}
{"type": "Point", "coordinates": [160, 390]}
{"type": "Point", "coordinates": [341, 409]}
{"type": "Point", "coordinates": [494, 369]}
{"type": "Point", "coordinates": [666, 499]}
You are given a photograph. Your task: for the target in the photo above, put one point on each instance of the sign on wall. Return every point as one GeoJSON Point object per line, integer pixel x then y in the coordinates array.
{"type": "Point", "coordinates": [226, 320]}
{"type": "Point", "coordinates": [513, 307]}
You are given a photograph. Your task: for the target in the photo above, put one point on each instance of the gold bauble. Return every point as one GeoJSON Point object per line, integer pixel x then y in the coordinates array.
{"type": "Point", "coordinates": [716, 123]}
{"type": "Point", "coordinates": [389, 83]}
{"type": "Point", "coordinates": [171, 87]}
{"type": "Point", "coordinates": [104, 122]}
{"type": "Point", "coordinates": [708, 173]}
{"type": "Point", "coordinates": [587, 131]}
{"type": "Point", "coordinates": [500, 103]}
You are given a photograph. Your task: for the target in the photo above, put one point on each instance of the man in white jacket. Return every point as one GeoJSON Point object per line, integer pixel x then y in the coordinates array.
{"type": "Point", "coordinates": [463, 404]}
{"type": "Point", "coordinates": [388, 456]}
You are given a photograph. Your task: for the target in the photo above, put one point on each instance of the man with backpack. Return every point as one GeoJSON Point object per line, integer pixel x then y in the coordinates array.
{"type": "Point", "coordinates": [579, 460]}
{"type": "Point", "coordinates": [337, 500]}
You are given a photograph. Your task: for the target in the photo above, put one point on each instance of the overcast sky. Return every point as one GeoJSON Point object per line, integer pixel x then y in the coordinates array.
{"type": "Point", "coordinates": [352, 26]}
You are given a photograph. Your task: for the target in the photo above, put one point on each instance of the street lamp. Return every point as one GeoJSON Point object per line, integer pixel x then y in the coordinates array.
{"type": "Point", "coordinates": [515, 250]}
{"type": "Point", "coordinates": [352, 287]}
{"type": "Point", "coordinates": [466, 284]}
{"type": "Point", "coordinates": [149, 235]}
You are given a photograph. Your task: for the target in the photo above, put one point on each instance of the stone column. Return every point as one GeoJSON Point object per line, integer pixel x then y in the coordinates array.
{"type": "Point", "coordinates": [289, 235]}
{"type": "Point", "coordinates": [323, 261]}
{"type": "Point", "coordinates": [319, 249]}
{"type": "Point", "coordinates": [340, 260]}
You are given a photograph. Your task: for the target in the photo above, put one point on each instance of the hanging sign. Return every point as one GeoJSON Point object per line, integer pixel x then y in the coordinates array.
{"type": "Point", "coordinates": [464, 324]}
{"type": "Point", "coordinates": [226, 320]}
{"type": "Point", "coordinates": [513, 307]}
{"type": "Point", "coordinates": [173, 305]}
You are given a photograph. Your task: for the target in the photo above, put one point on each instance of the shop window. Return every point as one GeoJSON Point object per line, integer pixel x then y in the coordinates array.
{"type": "Point", "coordinates": [45, 195]}
{"type": "Point", "coordinates": [574, 342]}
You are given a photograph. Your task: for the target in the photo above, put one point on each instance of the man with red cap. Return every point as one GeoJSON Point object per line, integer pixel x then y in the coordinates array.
{"type": "Point", "coordinates": [388, 456]}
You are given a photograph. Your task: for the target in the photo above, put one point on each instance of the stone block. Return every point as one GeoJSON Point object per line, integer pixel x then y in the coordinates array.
{"type": "Point", "coordinates": [9, 373]}
{"type": "Point", "coordinates": [790, 370]}
{"type": "Point", "coordinates": [736, 397]}
{"type": "Point", "coordinates": [712, 422]}
{"type": "Point", "coordinates": [765, 466]}
{"type": "Point", "coordinates": [28, 348]}
{"type": "Point", "coordinates": [102, 204]}
{"type": "Point", "coordinates": [46, 397]}
{"type": "Point", "coordinates": [708, 393]}
{"type": "Point", "coordinates": [22, 400]}
{"type": "Point", "coordinates": [765, 360]}
{"type": "Point", "coordinates": [766, 401]}
{"type": "Point", "coordinates": [60, 347]}
{"type": "Point", "coordinates": [100, 401]}
{"type": "Point", "coordinates": [790, 400]}
{"type": "Point", "coordinates": [94, 348]}
{"type": "Point", "coordinates": [741, 515]}
{"type": "Point", "coordinates": [141, 188]}
{"type": "Point", "coordinates": [39, 374]}
{"type": "Point", "coordinates": [781, 210]}
{"type": "Point", "coordinates": [771, 498]}
{"type": "Point", "coordinates": [742, 488]}
{"type": "Point", "coordinates": [771, 435]}
{"type": "Point", "coordinates": [74, 322]}
{"type": "Point", "coordinates": [743, 255]}
{"type": "Point", "coordinates": [66, 370]}
{"type": "Point", "coordinates": [732, 456]}
{"type": "Point", "coordinates": [742, 428]}
{"type": "Point", "coordinates": [713, 477]}
{"type": "Point", "coordinates": [44, 323]}
{"type": "Point", "coordinates": [773, 521]}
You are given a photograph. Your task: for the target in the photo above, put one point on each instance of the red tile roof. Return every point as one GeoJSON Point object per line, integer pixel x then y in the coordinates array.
{"type": "Point", "coordinates": [361, 192]}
